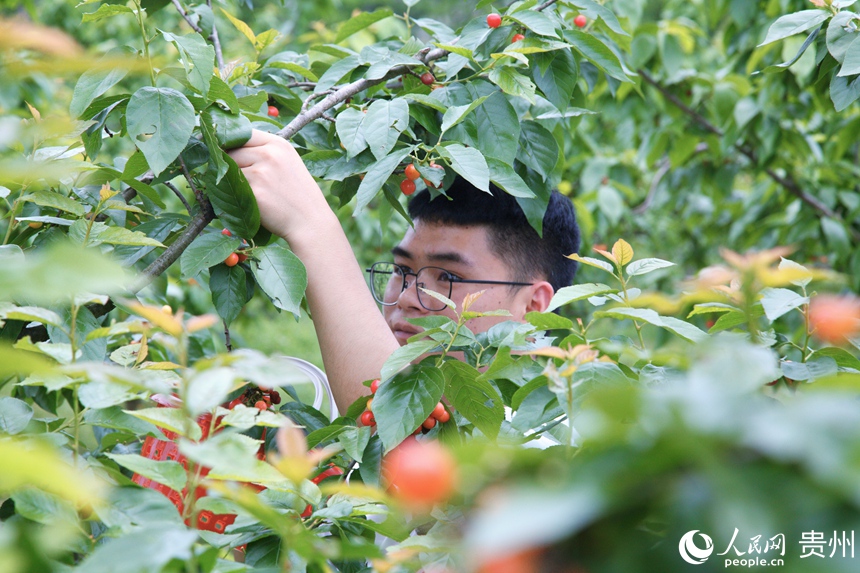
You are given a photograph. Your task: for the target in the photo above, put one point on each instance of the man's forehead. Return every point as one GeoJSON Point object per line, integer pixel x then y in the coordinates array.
{"type": "Point", "coordinates": [451, 244]}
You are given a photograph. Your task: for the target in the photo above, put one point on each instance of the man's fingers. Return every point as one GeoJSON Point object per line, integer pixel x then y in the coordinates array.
{"type": "Point", "coordinates": [243, 157]}
{"type": "Point", "coordinates": [260, 138]}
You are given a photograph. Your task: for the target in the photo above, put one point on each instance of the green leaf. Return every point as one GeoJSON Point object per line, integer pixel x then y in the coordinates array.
{"type": "Point", "coordinates": [208, 389]}
{"type": "Point", "coordinates": [504, 176]}
{"type": "Point", "coordinates": [385, 121]}
{"type": "Point", "coordinates": [231, 130]}
{"type": "Point", "coordinates": [456, 114]}
{"type": "Point", "coordinates": [851, 63]}
{"type": "Point", "coordinates": [459, 50]}
{"type": "Point", "coordinates": [207, 250]}
{"type": "Point", "coordinates": [645, 266]}
{"type": "Point", "coordinates": [94, 83]}
{"type": "Point", "coordinates": [231, 289]}
{"type": "Point", "coordinates": [150, 547]}
{"type": "Point", "coordinates": [555, 74]}
{"type": "Point", "coordinates": [608, 16]}
{"type": "Point", "coordinates": [548, 321]}
{"type": "Point", "coordinates": [160, 121]}
{"type": "Point", "coordinates": [468, 162]}
{"type": "Point", "coordinates": [405, 355]}
{"type": "Point", "coordinates": [360, 22]}
{"type": "Point", "coordinates": [197, 57]}
{"type": "Point", "coordinates": [377, 175]}
{"type": "Point", "coordinates": [795, 23]}
{"type": "Point", "coordinates": [336, 72]}
{"type": "Point", "coordinates": [839, 36]}
{"type": "Point", "coordinates": [233, 200]}
{"type": "Point", "coordinates": [537, 22]}
{"type": "Point", "coordinates": [30, 313]}
{"type": "Point", "coordinates": [293, 67]}
{"type": "Point", "coordinates": [428, 101]}
{"type": "Point", "coordinates": [592, 262]}
{"type": "Point", "coordinates": [597, 53]}
{"type": "Point", "coordinates": [538, 148]}
{"type": "Point", "coordinates": [683, 329]}
{"type": "Point", "coordinates": [843, 358]}
{"type": "Point", "coordinates": [172, 419]}
{"type": "Point", "coordinates": [43, 507]}
{"type": "Point", "coordinates": [123, 236]}
{"type": "Point", "coordinates": [569, 294]}
{"type": "Point", "coordinates": [844, 92]}
{"type": "Point", "coordinates": [349, 131]}
{"type": "Point", "coordinates": [169, 473]}
{"type": "Point", "coordinates": [472, 397]}
{"type": "Point", "coordinates": [381, 60]}
{"type": "Point", "coordinates": [778, 301]}
{"type": "Point", "coordinates": [15, 414]}
{"type": "Point", "coordinates": [496, 127]}
{"type": "Point", "coordinates": [355, 441]}
{"type": "Point", "coordinates": [513, 82]}
{"type": "Point", "coordinates": [106, 11]}
{"type": "Point", "coordinates": [404, 402]}
{"type": "Point", "coordinates": [45, 198]}
{"type": "Point", "coordinates": [282, 276]}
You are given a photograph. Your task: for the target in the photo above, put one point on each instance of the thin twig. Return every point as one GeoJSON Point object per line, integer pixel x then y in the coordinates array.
{"type": "Point", "coordinates": [303, 85]}
{"type": "Point", "coordinates": [546, 5]}
{"type": "Point", "coordinates": [227, 336]}
{"type": "Point", "coordinates": [179, 194]}
{"type": "Point", "coordinates": [186, 17]}
{"type": "Point", "coordinates": [662, 170]}
{"type": "Point", "coordinates": [216, 42]}
{"type": "Point", "coordinates": [787, 181]}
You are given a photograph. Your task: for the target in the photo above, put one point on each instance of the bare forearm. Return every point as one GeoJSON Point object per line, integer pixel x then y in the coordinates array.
{"type": "Point", "coordinates": [354, 339]}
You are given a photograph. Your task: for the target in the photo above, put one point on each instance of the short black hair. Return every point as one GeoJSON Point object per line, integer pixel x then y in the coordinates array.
{"type": "Point", "coordinates": [511, 236]}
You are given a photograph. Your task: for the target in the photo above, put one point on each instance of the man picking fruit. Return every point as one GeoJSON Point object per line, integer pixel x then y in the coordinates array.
{"type": "Point", "coordinates": [476, 241]}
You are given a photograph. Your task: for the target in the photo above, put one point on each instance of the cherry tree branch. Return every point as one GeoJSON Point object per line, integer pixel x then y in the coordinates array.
{"type": "Point", "coordinates": [216, 42]}
{"type": "Point", "coordinates": [787, 181]}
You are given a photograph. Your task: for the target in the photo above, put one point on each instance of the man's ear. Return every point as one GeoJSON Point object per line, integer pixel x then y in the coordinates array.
{"type": "Point", "coordinates": [541, 295]}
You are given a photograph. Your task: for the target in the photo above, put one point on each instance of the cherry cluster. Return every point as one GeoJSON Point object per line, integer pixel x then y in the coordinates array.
{"type": "Point", "coordinates": [234, 259]}
{"type": "Point", "coordinates": [439, 413]}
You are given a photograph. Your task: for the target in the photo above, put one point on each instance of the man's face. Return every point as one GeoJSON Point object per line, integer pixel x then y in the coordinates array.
{"type": "Point", "coordinates": [466, 253]}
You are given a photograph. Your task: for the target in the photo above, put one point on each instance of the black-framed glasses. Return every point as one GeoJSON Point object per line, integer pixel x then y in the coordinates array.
{"type": "Point", "coordinates": [389, 280]}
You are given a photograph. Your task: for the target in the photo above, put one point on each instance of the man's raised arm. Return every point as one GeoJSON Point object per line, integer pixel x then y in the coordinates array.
{"type": "Point", "coordinates": [354, 339]}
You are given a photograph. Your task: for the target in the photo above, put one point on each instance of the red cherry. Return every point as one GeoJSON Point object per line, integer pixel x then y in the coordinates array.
{"type": "Point", "coordinates": [407, 187]}
{"type": "Point", "coordinates": [517, 38]}
{"type": "Point", "coordinates": [232, 260]}
{"type": "Point", "coordinates": [438, 410]}
{"type": "Point", "coordinates": [494, 20]}
{"type": "Point", "coordinates": [374, 386]}
{"type": "Point", "coordinates": [411, 172]}
{"type": "Point", "coordinates": [242, 257]}
{"type": "Point", "coordinates": [261, 405]}
{"type": "Point", "coordinates": [443, 417]}
{"type": "Point", "coordinates": [429, 423]}
{"type": "Point", "coordinates": [580, 21]}
{"type": "Point", "coordinates": [273, 111]}
{"type": "Point", "coordinates": [420, 473]}
{"type": "Point", "coordinates": [226, 232]}
{"type": "Point", "coordinates": [427, 78]}
{"type": "Point", "coordinates": [367, 418]}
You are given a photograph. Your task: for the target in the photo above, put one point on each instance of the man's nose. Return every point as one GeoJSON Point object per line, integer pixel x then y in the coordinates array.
{"type": "Point", "coordinates": [408, 298]}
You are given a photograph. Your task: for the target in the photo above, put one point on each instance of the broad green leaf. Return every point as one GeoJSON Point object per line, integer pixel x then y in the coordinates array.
{"type": "Point", "coordinates": [160, 121]}
{"type": "Point", "coordinates": [45, 198]}
{"type": "Point", "coordinates": [459, 50]}
{"type": "Point", "coordinates": [802, 50]}
{"type": "Point", "coordinates": [217, 166]}
{"type": "Point", "coordinates": [242, 27]}
{"type": "Point", "coordinates": [94, 83]}
{"type": "Point", "coordinates": [349, 131]}
{"type": "Point", "coordinates": [569, 294]}
{"type": "Point", "coordinates": [355, 441]}
{"type": "Point", "coordinates": [360, 22]}
{"type": "Point", "coordinates": [537, 22]}
{"type": "Point", "coordinates": [385, 121]}
{"type": "Point", "coordinates": [839, 36]}
{"type": "Point", "coordinates": [507, 179]}
{"type": "Point", "coordinates": [795, 23]}
{"type": "Point", "coordinates": [645, 266]}
{"type": "Point", "coordinates": [597, 53]}
{"type": "Point", "coordinates": [844, 92]}
{"type": "Point", "coordinates": [496, 127]}
{"type": "Point", "coordinates": [150, 547]}
{"type": "Point", "coordinates": [172, 419]}
{"type": "Point", "coordinates": [548, 321]}
{"type": "Point", "coordinates": [608, 16]}
{"type": "Point", "coordinates": [381, 60]}
{"type": "Point", "coordinates": [30, 313]}
{"type": "Point", "coordinates": [231, 130]}
{"type": "Point", "coordinates": [809, 371]}
{"type": "Point", "coordinates": [468, 162]}
{"type": "Point", "coordinates": [556, 74]}
{"type": "Point", "coordinates": [336, 72]}
{"type": "Point", "coordinates": [231, 289]}
{"type": "Point", "coordinates": [843, 358]}
{"type": "Point", "coordinates": [282, 276]}
{"type": "Point", "coordinates": [513, 82]}
{"type": "Point", "coordinates": [683, 329]}
{"type": "Point", "coordinates": [851, 63]}
{"type": "Point", "coordinates": [778, 301]}
{"type": "Point", "coordinates": [592, 262]}
{"type": "Point", "coordinates": [43, 507]}
{"type": "Point", "coordinates": [106, 11]}
{"type": "Point", "coordinates": [233, 200]}
{"type": "Point", "coordinates": [538, 148]}
{"type": "Point", "coordinates": [169, 473]}
{"type": "Point", "coordinates": [208, 389]}
{"type": "Point", "coordinates": [232, 457]}
{"type": "Point", "coordinates": [472, 397]}
{"type": "Point", "coordinates": [15, 414]}
{"type": "Point", "coordinates": [405, 355]}
{"type": "Point", "coordinates": [377, 175]}
{"type": "Point", "coordinates": [456, 114]}
{"type": "Point", "coordinates": [428, 101]}
{"type": "Point", "coordinates": [197, 57]}
{"type": "Point", "coordinates": [207, 250]}
{"type": "Point", "coordinates": [405, 401]}
{"type": "Point", "coordinates": [123, 236]}
{"type": "Point", "coordinates": [293, 67]}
